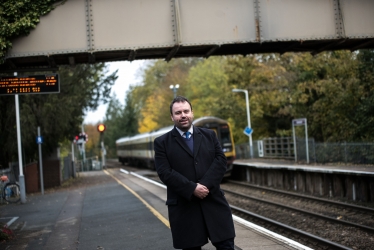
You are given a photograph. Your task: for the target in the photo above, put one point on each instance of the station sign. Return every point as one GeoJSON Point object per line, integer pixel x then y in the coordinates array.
{"type": "Point", "coordinates": [39, 139]}
{"type": "Point", "coordinates": [299, 122]}
{"type": "Point", "coordinates": [36, 84]}
{"type": "Point", "coordinates": [248, 131]}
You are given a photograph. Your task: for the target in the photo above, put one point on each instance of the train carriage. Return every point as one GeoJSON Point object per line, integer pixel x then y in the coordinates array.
{"type": "Point", "coordinates": [138, 150]}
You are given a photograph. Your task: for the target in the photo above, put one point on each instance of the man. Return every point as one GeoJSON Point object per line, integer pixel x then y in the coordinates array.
{"type": "Point", "coordinates": [192, 169]}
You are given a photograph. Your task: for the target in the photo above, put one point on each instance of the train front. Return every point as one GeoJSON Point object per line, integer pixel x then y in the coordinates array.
{"type": "Point", "coordinates": [224, 135]}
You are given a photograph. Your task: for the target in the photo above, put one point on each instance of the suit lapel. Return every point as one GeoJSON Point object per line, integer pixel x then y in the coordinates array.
{"type": "Point", "coordinates": [180, 141]}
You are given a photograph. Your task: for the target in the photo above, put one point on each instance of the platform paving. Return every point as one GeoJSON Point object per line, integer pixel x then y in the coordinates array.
{"type": "Point", "coordinates": [102, 210]}
{"type": "Point", "coordinates": [97, 214]}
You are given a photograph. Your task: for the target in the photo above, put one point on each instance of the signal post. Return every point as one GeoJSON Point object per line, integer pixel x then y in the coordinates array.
{"type": "Point", "coordinates": [101, 128]}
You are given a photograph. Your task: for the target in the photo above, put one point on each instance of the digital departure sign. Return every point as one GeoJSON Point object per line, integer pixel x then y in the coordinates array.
{"type": "Point", "coordinates": [38, 84]}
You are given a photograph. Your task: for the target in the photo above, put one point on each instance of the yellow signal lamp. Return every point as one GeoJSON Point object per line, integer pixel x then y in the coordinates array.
{"type": "Point", "coordinates": [101, 128]}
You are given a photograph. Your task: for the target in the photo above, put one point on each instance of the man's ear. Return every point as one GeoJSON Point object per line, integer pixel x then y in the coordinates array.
{"type": "Point", "coordinates": [171, 117]}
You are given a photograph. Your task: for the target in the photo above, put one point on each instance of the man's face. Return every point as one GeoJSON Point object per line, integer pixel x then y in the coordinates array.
{"type": "Point", "coordinates": [182, 115]}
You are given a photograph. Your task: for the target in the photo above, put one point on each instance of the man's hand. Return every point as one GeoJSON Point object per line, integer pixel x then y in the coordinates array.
{"type": "Point", "coordinates": [201, 191]}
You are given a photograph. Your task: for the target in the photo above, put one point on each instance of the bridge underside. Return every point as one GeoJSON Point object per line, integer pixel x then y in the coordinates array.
{"type": "Point", "coordinates": [126, 30]}
{"type": "Point", "coordinates": [204, 51]}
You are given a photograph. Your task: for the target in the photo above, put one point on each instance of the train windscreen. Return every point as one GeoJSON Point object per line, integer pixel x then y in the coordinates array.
{"type": "Point", "coordinates": [225, 138]}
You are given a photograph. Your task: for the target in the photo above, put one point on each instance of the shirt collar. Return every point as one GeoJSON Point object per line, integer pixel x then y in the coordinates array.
{"type": "Point", "coordinates": [182, 132]}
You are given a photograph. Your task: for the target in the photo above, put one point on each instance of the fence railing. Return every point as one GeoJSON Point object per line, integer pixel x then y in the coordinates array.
{"type": "Point", "coordinates": [283, 148]}
{"type": "Point", "coordinates": [70, 168]}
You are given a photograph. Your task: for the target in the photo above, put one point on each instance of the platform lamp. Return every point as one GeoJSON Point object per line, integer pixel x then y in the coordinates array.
{"type": "Point", "coordinates": [174, 88]}
{"type": "Point", "coordinates": [248, 118]}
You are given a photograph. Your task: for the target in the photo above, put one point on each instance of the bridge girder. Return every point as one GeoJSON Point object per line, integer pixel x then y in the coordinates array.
{"type": "Point", "coordinates": [91, 31]}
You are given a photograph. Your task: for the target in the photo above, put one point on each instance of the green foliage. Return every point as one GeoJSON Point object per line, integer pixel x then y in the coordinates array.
{"type": "Point", "coordinates": [362, 115]}
{"type": "Point", "coordinates": [153, 97]}
{"type": "Point", "coordinates": [17, 18]}
{"type": "Point", "coordinates": [59, 115]}
{"type": "Point", "coordinates": [333, 90]}
{"type": "Point", "coordinates": [120, 122]}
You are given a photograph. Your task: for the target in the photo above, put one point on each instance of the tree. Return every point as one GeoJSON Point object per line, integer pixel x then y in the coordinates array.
{"type": "Point", "coordinates": [363, 119]}
{"type": "Point", "coordinates": [267, 83]}
{"type": "Point", "coordinates": [59, 115]}
{"type": "Point", "coordinates": [153, 97]}
{"type": "Point", "coordinates": [113, 131]}
{"type": "Point", "coordinates": [326, 93]}
{"type": "Point", "coordinates": [120, 122]}
{"type": "Point", "coordinates": [17, 18]}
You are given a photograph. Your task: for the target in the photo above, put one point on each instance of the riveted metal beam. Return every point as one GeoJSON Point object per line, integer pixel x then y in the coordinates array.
{"type": "Point", "coordinates": [211, 51]}
{"type": "Point", "coordinates": [257, 20]}
{"type": "Point", "coordinates": [11, 64]}
{"type": "Point", "coordinates": [328, 46]}
{"type": "Point", "coordinates": [175, 12]}
{"type": "Point", "coordinates": [51, 62]}
{"type": "Point", "coordinates": [172, 53]}
{"type": "Point", "coordinates": [339, 20]}
{"type": "Point", "coordinates": [91, 58]}
{"type": "Point", "coordinates": [177, 22]}
{"type": "Point", "coordinates": [363, 45]}
{"type": "Point", "coordinates": [90, 27]}
{"type": "Point", "coordinates": [71, 61]}
{"type": "Point", "coordinates": [132, 55]}
{"type": "Point", "coordinates": [289, 48]}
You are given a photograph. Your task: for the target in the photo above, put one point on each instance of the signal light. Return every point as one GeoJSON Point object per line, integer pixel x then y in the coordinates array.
{"type": "Point", "coordinates": [101, 128]}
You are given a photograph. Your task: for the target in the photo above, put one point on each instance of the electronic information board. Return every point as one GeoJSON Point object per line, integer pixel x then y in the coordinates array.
{"type": "Point", "coordinates": [38, 84]}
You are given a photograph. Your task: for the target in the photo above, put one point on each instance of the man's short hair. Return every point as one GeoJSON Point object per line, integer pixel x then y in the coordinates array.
{"type": "Point", "coordinates": [178, 99]}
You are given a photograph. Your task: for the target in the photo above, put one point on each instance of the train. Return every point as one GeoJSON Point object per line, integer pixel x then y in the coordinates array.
{"type": "Point", "coordinates": [138, 150]}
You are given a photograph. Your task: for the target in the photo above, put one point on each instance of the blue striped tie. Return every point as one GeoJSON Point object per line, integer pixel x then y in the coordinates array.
{"type": "Point", "coordinates": [187, 134]}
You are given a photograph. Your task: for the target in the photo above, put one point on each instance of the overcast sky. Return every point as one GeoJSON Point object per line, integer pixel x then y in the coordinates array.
{"type": "Point", "coordinates": [127, 75]}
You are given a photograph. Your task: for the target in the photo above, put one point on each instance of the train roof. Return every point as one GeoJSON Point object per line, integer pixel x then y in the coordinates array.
{"type": "Point", "coordinates": [208, 119]}
{"type": "Point", "coordinates": [155, 133]}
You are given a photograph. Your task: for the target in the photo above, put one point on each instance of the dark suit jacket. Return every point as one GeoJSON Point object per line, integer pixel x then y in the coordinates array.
{"type": "Point", "coordinates": [193, 220]}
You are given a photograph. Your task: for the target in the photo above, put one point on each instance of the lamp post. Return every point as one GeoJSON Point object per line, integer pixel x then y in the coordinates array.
{"type": "Point", "coordinates": [248, 118]}
{"type": "Point", "coordinates": [174, 88]}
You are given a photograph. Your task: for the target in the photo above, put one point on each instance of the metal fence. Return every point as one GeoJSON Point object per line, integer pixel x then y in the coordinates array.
{"type": "Point", "coordinates": [283, 148]}
{"type": "Point", "coordinates": [90, 164]}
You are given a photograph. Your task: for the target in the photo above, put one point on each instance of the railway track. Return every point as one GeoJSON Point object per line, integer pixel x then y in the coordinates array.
{"type": "Point", "coordinates": [347, 225]}
{"type": "Point", "coordinates": [338, 227]}
{"type": "Point", "coordinates": [287, 231]}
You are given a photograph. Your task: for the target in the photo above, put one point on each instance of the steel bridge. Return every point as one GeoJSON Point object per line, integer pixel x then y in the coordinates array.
{"type": "Point", "coordinates": [90, 31]}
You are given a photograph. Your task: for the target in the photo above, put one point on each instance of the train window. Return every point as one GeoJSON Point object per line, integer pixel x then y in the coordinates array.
{"type": "Point", "coordinates": [225, 137]}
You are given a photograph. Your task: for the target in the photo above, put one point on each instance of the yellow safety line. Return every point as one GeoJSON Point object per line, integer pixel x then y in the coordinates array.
{"type": "Point", "coordinates": [154, 211]}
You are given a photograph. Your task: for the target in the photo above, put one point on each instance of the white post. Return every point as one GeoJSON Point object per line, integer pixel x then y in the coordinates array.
{"type": "Point", "coordinates": [84, 149]}
{"type": "Point", "coordinates": [306, 141]}
{"type": "Point", "coordinates": [20, 163]}
{"type": "Point", "coordinates": [249, 122]}
{"type": "Point", "coordinates": [103, 153]}
{"type": "Point", "coordinates": [248, 117]}
{"type": "Point", "coordinates": [73, 160]}
{"type": "Point", "coordinates": [40, 164]}
{"type": "Point", "coordinates": [294, 141]}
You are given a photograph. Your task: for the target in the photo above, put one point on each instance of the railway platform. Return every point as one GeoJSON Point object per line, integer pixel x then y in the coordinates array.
{"type": "Point", "coordinates": [109, 209]}
{"type": "Point", "coordinates": [350, 182]}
